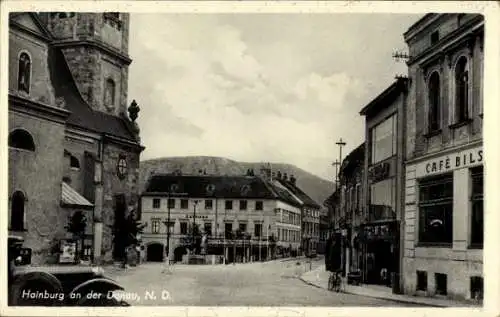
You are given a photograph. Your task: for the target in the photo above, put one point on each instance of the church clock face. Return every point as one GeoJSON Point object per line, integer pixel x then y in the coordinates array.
{"type": "Point", "coordinates": [122, 167]}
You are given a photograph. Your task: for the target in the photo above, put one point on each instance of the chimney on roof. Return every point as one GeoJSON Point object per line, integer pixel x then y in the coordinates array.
{"type": "Point", "coordinates": [285, 177]}
{"type": "Point", "coordinates": [279, 174]}
{"type": "Point", "coordinates": [293, 180]}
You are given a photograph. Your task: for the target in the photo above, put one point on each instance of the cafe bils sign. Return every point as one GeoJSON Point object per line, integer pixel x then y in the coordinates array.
{"type": "Point", "coordinates": [453, 161]}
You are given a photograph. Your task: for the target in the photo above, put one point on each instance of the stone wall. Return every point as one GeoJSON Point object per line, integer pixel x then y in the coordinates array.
{"type": "Point", "coordinates": [38, 175]}
{"type": "Point", "coordinates": [77, 146]}
{"type": "Point", "coordinates": [113, 185]}
{"type": "Point", "coordinates": [92, 66]}
{"type": "Point", "coordinates": [40, 88]}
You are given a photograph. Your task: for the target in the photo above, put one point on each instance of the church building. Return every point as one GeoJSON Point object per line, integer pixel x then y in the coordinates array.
{"type": "Point", "coordinates": [73, 141]}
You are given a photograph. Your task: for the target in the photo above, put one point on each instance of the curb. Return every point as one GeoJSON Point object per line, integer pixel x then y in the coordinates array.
{"type": "Point", "coordinates": [378, 297]}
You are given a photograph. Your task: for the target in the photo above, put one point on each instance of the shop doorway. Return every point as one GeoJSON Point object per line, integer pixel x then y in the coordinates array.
{"type": "Point", "coordinates": [178, 253]}
{"type": "Point", "coordinates": [119, 222]}
{"type": "Point", "coordinates": [155, 252]}
{"type": "Point", "coordinates": [379, 262]}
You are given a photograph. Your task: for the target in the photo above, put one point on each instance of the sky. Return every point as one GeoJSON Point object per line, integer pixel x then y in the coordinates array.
{"type": "Point", "coordinates": [260, 87]}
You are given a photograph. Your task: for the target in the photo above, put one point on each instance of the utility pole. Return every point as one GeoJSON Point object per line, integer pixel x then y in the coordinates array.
{"type": "Point", "coordinates": [341, 143]}
{"type": "Point", "coordinates": [337, 165]}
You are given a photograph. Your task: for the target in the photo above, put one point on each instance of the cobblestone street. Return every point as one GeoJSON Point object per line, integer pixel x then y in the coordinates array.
{"type": "Point", "coordinates": [256, 284]}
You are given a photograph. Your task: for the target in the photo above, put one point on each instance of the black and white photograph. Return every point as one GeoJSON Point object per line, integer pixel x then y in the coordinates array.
{"type": "Point", "coordinates": [248, 157]}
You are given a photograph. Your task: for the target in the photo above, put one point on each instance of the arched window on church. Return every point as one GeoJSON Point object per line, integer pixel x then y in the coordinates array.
{"type": "Point", "coordinates": [462, 90]}
{"type": "Point", "coordinates": [21, 139]}
{"type": "Point", "coordinates": [24, 73]}
{"type": "Point", "coordinates": [109, 93]}
{"type": "Point", "coordinates": [17, 211]}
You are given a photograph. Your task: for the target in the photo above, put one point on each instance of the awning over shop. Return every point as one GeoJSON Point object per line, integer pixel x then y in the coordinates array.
{"type": "Point", "coordinates": [71, 198]}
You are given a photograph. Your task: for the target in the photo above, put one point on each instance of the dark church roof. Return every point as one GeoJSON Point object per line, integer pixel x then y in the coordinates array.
{"type": "Point", "coordinates": [308, 201]}
{"type": "Point", "coordinates": [206, 186]}
{"type": "Point", "coordinates": [82, 115]}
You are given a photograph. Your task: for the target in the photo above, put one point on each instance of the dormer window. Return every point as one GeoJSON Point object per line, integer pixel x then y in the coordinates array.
{"type": "Point", "coordinates": [24, 73]}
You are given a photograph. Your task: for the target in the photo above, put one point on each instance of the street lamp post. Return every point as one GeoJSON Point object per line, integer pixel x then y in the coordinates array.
{"type": "Point", "coordinates": [168, 229]}
{"type": "Point", "coordinates": [343, 256]}
{"type": "Point", "coordinates": [194, 224]}
{"type": "Point", "coordinates": [268, 252]}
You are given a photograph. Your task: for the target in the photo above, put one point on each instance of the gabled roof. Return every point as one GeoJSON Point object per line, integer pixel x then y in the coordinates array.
{"type": "Point", "coordinates": [30, 22]}
{"type": "Point", "coordinates": [82, 115]}
{"type": "Point", "coordinates": [208, 186]}
{"type": "Point", "coordinates": [285, 196]}
{"type": "Point", "coordinates": [308, 201]}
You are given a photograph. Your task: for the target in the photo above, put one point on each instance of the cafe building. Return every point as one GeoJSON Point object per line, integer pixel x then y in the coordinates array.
{"type": "Point", "coordinates": [443, 245]}
{"type": "Point", "coordinates": [379, 236]}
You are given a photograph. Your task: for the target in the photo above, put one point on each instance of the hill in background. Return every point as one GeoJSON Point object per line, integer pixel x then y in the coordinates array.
{"type": "Point", "coordinates": [316, 187]}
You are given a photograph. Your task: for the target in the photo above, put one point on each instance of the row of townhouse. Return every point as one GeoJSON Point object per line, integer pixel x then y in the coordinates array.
{"type": "Point", "coordinates": [242, 218]}
{"type": "Point", "coordinates": [414, 220]}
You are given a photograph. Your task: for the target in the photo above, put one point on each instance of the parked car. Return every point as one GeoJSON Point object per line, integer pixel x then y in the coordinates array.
{"type": "Point", "coordinates": [56, 285]}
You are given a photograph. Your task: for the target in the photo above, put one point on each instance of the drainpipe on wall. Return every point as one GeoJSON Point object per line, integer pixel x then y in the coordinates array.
{"type": "Point", "coordinates": [402, 192]}
{"type": "Point", "coordinates": [98, 204]}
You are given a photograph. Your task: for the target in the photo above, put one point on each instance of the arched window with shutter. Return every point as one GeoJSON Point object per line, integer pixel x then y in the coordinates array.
{"type": "Point", "coordinates": [17, 211]}
{"type": "Point", "coordinates": [24, 73]}
{"type": "Point", "coordinates": [434, 90]}
{"type": "Point", "coordinates": [461, 90]}
{"type": "Point", "coordinates": [109, 93]}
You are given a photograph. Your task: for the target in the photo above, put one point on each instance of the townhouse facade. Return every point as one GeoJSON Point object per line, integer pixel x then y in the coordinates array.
{"type": "Point", "coordinates": [349, 219]}
{"type": "Point", "coordinates": [72, 147]}
{"type": "Point", "coordinates": [243, 218]}
{"type": "Point", "coordinates": [311, 210]}
{"type": "Point", "coordinates": [383, 185]}
{"type": "Point", "coordinates": [443, 253]}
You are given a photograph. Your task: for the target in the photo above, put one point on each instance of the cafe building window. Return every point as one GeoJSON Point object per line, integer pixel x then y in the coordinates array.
{"type": "Point", "coordinates": [383, 199]}
{"type": "Point", "coordinates": [436, 210]}
{"type": "Point", "coordinates": [476, 239]}
{"type": "Point", "coordinates": [383, 140]}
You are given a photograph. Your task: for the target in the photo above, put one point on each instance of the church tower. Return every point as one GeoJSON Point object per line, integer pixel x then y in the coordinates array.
{"type": "Point", "coordinates": [95, 46]}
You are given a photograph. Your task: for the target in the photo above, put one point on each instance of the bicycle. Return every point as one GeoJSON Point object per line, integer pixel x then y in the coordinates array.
{"type": "Point", "coordinates": [335, 281]}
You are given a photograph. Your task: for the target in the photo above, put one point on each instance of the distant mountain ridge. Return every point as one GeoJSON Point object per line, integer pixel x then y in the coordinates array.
{"type": "Point", "coordinates": [314, 186]}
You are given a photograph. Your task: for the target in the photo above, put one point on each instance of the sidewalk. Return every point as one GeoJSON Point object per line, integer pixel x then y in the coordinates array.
{"type": "Point", "coordinates": [319, 278]}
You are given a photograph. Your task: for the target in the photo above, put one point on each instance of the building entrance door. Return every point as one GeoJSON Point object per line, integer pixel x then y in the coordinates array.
{"type": "Point", "coordinates": [155, 252]}
{"type": "Point", "coordinates": [120, 236]}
